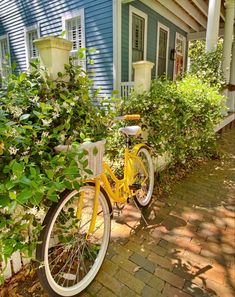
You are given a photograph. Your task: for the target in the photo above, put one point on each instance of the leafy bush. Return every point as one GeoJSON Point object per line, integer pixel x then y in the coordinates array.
{"type": "Point", "coordinates": [37, 114]}
{"type": "Point", "coordinates": [206, 65]}
{"type": "Point", "coordinates": [179, 116]}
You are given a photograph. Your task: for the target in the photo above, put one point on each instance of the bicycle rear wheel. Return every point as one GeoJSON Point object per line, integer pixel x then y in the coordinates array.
{"type": "Point", "coordinates": [145, 178]}
{"type": "Point", "coordinates": [69, 254]}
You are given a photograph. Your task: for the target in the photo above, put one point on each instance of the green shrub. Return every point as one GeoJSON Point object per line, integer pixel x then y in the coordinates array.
{"type": "Point", "coordinates": [37, 114]}
{"type": "Point", "coordinates": [207, 65]}
{"type": "Point", "coordinates": [179, 116]}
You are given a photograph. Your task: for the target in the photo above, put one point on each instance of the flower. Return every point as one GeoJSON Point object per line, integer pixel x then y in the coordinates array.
{"type": "Point", "coordinates": [33, 211]}
{"type": "Point", "coordinates": [65, 105]}
{"type": "Point", "coordinates": [16, 111]}
{"type": "Point", "coordinates": [55, 115]}
{"type": "Point", "coordinates": [34, 99]}
{"type": "Point", "coordinates": [12, 150]}
{"type": "Point", "coordinates": [46, 122]}
{"type": "Point", "coordinates": [45, 134]}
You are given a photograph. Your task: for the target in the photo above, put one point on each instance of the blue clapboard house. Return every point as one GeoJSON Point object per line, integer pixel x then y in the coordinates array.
{"type": "Point", "coordinates": [122, 32]}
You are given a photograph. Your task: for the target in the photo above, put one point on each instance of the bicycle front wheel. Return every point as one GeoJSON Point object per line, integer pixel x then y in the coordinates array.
{"type": "Point", "coordinates": [145, 178]}
{"type": "Point", "coordinates": [71, 251]}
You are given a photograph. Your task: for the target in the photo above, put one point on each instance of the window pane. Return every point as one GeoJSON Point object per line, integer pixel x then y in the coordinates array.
{"type": "Point", "coordinates": [179, 46]}
{"type": "Point", "coordinates": [162, 51]}
{"type": "Point", "coordinates": [4, 49]}
{"type": "Point", "coordinates": [32, 50]}
{"type": "Point", "coordinates": [74, 31]}
{"type": "Point", "coordinates": [4, 60]}
{"type": "Point", "coordinates": [137, 38]}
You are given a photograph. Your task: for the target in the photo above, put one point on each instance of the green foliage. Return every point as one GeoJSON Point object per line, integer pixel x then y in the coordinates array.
{"type": "Point", "coordinates": [179, 116]}
{"type": "Point", "coordinates": [206, 65]}
{"type": "Point", "coordinates": [37, 114]}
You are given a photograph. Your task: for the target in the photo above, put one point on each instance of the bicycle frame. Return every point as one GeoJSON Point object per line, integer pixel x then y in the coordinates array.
{"type": "Point", "coordinates": [122, 191]}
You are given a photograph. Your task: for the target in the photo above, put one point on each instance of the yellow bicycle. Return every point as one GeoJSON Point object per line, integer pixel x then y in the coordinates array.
{"type": "Point", "coordinates": [76, 230]}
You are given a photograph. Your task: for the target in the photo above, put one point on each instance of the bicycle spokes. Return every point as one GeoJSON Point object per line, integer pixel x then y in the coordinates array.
{"type": "Point", "coordinates": [74, 245]}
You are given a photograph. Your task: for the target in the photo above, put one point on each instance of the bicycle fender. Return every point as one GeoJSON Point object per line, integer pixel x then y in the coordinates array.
{"type": "Point", "coordinates": [138, 146]}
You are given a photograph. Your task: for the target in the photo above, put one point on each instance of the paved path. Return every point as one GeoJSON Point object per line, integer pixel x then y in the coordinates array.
{"type": "Point", "coordinates": [187, 249]}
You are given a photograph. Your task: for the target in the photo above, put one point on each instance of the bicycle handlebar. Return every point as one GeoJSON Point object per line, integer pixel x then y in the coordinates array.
{"type": "Point", "coordinates": [128, 117]}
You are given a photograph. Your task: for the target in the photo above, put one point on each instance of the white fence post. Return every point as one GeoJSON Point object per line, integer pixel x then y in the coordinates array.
{"type": "Point", "coordinates": [7, 272]}
{"type": "Point", "coordinates": [13, 265]}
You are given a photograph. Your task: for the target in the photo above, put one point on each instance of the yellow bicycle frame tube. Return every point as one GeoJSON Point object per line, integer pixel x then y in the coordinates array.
{"type": "Point", "coordinates": [121, 191]}
{"type": "Point", "coordinates": [95, 207]}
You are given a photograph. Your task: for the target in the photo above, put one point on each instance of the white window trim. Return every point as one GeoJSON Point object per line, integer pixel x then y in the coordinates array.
{"type": "Point", "coordinates": [160, 25]}
{"type": "Point", "coordinates": [183, 38]}
{"type": "Point", "coordinates": [117, 44]}
{"type": "Point", "coordinates": [6, 36]}
{"type": "Point", "coordinates": [73, 14]}
{"type": "Point", "coordinates": [26, 30]}
{"type": "Point", "coordinates": [145, 17]}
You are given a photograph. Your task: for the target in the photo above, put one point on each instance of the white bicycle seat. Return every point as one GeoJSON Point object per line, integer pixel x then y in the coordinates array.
{"type": "Point", "coordinates": [130, 130]}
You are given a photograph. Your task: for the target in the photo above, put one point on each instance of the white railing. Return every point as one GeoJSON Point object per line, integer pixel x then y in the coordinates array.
{"type": "Point", "coordinates": [13, 265]}
{"type": "Point", "coordinates": [126, 88]}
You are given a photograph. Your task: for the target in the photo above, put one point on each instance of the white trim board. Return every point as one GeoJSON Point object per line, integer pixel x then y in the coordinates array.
{"type": "Point", "coordinates": [2, 37]}
{"type": "Point", "coordinates": [117, 44]}
{"type": "Point", "coordinates": [26, 31]}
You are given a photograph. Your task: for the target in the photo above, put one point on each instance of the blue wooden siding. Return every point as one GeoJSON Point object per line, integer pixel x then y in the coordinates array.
{"type": "Point", "coordinates": [15, 15]}
{"type": "Point", "coordinates": [153, 19]}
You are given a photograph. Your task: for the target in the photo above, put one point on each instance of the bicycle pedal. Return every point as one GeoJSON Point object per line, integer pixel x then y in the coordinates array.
{"type": "Point", "coordinates": [135, 186]}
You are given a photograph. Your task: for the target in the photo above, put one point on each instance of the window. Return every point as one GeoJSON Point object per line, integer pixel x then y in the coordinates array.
{"type": "Point", "coordinates": [74, 26]}
{"type": "Point", "coordinates": [180, 45]}
{"type": "Point", "coordinates": [74, 32]}
{"type": "Point", "coordinates": [162, 50]}
{"type": "Point", "coordinates": [4, 59]}
{"type": "Point", "coordinates": [137, 38]}
{"type": "Point", "coordinates": [138, 22]}
{"type": "Point", "coordinates": [31, 34]}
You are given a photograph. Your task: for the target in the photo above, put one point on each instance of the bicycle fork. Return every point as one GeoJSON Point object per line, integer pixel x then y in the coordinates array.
{"type": "Point", "coordinates": [95, 207]}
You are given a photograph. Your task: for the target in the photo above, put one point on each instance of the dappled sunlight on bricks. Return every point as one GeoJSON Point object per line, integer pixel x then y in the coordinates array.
{"type": "Point", "coordinates": [186, 250]}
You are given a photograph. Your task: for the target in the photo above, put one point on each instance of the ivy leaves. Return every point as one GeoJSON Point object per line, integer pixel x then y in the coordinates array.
{"type": "Point", "coordinates": [207, 65]}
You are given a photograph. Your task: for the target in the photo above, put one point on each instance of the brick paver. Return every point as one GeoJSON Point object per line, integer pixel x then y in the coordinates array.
{"type": "Point", "coordinates": [188, 248]}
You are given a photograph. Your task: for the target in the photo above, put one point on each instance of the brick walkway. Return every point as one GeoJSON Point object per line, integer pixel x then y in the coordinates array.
{"type": "Point", "coordinates": [187, 249]}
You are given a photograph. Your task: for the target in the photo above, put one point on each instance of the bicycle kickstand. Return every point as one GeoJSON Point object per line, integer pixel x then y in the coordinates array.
{"type": "Point", "coordinates": [146, 223]}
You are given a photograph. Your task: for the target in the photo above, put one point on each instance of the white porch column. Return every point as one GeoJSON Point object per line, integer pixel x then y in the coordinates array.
{"type": "Point", "coordinates": [231, 102]}
{"type": "Point", "coordinates": [228, 38]}
{"type": "Point", "coordinates": [232, 78]}
{"type": "Point", "coordinates": [142, 76]}
{"type": "Point", "coordinates": [212, 32]}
